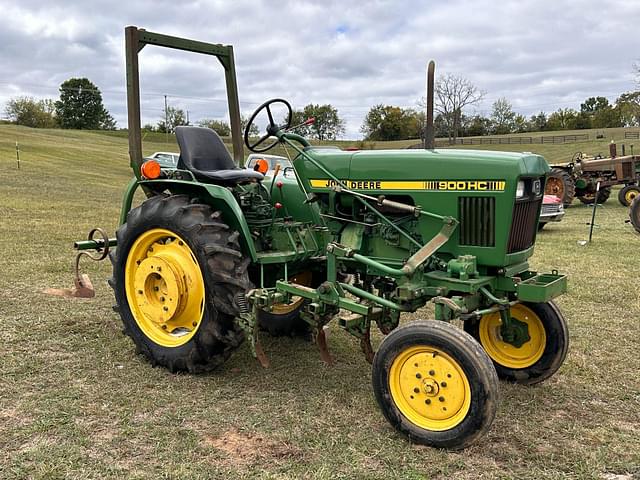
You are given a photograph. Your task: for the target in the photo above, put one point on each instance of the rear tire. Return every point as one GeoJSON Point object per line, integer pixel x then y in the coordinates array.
{"type": "Point", "coordinates": [435, 384]}
{"type": "Point", "coordinates": [634, 214]}
{"type": "Point", "coordinates": [627, 194]}
{"type": "Point", "coordinates": [561, 184]}
{"type": "Point", "coordinates": [207, 338]}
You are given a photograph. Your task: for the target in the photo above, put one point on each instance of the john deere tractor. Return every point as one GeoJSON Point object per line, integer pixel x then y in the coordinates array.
{"type": "Point", "coordinates": [218, 254]}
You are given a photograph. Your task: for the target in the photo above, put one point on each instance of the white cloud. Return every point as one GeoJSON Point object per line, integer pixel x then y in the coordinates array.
{"type": "Point", "coordinates": [539, 55]}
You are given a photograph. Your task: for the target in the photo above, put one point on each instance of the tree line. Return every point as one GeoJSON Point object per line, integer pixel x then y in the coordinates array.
{"type": "Point", "coordinates": [80, 107]}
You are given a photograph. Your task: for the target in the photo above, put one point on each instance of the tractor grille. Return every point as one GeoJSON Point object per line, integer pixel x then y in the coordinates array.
{"type": "Point", "coordinates": [524, 225]}
{"type": "Point", "coordinates": [627, 170]}
{"type": "Point", "coordinates": [477, 221]}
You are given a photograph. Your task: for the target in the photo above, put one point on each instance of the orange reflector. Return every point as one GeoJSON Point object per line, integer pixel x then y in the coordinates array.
{"type": "Point", "coordinates": [261, 166]}
{"type": "Point", "coordinates": [150, 169]}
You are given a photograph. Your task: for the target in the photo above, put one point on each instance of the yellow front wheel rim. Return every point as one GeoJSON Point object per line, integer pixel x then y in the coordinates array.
{"type": "Point", "coordinates": [509, 355]}
{"type": "Point", "coordinates": [630, 195]}
{"type": "Point", "coordinates": [429, 388]}
{"type": "Point", "coordinates": [164, 287]}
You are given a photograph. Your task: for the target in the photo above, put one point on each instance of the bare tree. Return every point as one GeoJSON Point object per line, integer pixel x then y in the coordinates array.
{"type": "Point", "coordinates": [453, 94]}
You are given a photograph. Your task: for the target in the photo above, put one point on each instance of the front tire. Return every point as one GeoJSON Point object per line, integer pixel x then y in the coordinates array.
{"type": "Point", "coordinates": [435, 384]}
{"type": "Point", "coordinates": [589, 198]}
{"type": "Point", "coordinates": [627, 194]}
{"type": "Point", "coordinates": [177, 274]}
{"type": "Point", "coordinates": [538, 358]}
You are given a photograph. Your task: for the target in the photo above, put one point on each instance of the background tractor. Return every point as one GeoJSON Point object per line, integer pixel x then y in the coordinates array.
{"type": "Point", "coordinates": [216, 253]}
{"type": "Point", "coordinates": [579, 178]}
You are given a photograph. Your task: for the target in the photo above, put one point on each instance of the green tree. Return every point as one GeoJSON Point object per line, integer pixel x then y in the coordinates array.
{"type": "Point", "coordinates": [31, 113]}
{"type": "Point", "coordinates": [221, 127]}
{"type": "Point", "coordinates": [592, 104]}
{"type": "Point", "coordinates": [175, 118]}
{"type": "Point", "coordinates": [327, 125]}
{"type": "Point", "coordinates": [563, 119]}
{"type": "Point", "coordinates": [478, 125]}
{"type": "Point", "coordinates": [254, 131]}
{"type": "Point", "coordinates": [628, 105]}
{"type": "Point", "coordinates": [80, 106]}
{"type": "Point", "coordinates": [502, 117]}
{"type": "Point", "coordinates": [538, 123]}
{"type": "Point", "coordinates": [386, 122]}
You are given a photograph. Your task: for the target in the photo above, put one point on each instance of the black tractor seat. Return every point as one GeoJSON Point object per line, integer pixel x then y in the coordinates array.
{"type": "Point", "coordinates": [203, 154]}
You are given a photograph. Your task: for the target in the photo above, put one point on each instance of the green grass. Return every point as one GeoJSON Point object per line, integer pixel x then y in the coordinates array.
{"type": "Point", "coordinates": [77, 402]}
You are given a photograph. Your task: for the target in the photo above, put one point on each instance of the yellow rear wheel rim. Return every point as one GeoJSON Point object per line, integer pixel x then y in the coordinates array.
{"type": "Point", "coordinates": [303, 278]}
{"type": "Point", "coordinates": [164, 287]}
{"type": "Point", "coordinates": [509, 355]}
{"type": "Point", "coordinates": [429, 388]}
{"type": "Point", "coordinates": [630, 195]}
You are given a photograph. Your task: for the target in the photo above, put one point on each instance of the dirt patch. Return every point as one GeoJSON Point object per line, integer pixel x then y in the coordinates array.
{"type": "Point", "coordinates": [244, 448]}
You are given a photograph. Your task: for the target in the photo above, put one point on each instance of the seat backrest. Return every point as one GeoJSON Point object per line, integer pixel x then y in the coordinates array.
{"type": "Point", "coordinates": [202, 149]}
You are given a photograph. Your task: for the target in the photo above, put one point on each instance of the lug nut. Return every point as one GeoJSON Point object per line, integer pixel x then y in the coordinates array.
{"type": "Point", "coordinates": [195, 324]}
{"type": "Point", "coordinates": [416, 390]}
{"type": "Point", "coordinates": [162, 299]}
{"type": "Point", "coordinates": [427, 401]}
{"type": "Point", "coordinates": [155, 289]}
{"type": "Point", "coordinates": [139, 292]}
{"type": "Point", "coordinates": [164, 327]}
{"type": "Point", "coordinates": [441, 399]}
{"type": "Point", "coordinates": [443, 384]}
{"type": "Point", "coordinates": [418, 375]}
{"type": "Point", "coordinates": [166, 309]}
{"type": "Point", "coordinates": [432, 372]}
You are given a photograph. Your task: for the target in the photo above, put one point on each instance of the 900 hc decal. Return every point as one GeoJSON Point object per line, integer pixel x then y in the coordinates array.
{"type": "Point", "coordinates": [429, 185]}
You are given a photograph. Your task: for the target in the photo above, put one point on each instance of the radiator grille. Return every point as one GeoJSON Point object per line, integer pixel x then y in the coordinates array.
{"type": "Point", "coordinates": [477, 221]}
{"type": "Point", "coordinates": [524, 224]}
{"type": "Point", "coordinates": [627, 169]}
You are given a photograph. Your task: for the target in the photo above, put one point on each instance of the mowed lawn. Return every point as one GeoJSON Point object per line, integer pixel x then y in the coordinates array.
{"type": "Point", "coordinates": [78, 402]}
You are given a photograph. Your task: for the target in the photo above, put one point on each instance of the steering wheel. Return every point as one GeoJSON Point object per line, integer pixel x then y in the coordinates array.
{"type": "Point", "coordinates": [272, 128]}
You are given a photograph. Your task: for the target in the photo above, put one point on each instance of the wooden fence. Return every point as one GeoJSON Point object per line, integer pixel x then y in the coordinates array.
{"type": "Point", "coordinates": [519, 140]}
{"type": "Point", "coordinates": [632, 135]}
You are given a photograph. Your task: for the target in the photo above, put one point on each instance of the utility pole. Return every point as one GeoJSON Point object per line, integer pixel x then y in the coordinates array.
{"type": "Point", "coordinates": [188, 118]}
{"type": "Point", "coordinates": [429, 137]}
{"type": "Point", "coordinates": [166, 120]}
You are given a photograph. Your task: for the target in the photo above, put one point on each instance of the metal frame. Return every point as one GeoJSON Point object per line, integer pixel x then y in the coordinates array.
{"type": "Point", "coordinates": [135, 40]}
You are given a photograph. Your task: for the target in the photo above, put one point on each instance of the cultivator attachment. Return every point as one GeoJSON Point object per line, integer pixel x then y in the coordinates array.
{"type": "Point", "coordinates": [82, 286]}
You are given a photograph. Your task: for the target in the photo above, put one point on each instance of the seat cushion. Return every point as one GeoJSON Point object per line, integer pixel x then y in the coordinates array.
{"type": "Point", "coordinates": [203, 153]}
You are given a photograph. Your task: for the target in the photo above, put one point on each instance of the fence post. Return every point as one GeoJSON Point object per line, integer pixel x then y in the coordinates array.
{"type": "Point", "coordinates": [18, 154]}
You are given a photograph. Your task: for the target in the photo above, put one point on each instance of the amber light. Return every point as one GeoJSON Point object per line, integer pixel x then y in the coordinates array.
{"type": "Point", "coordinates": [150, 169]}
{"type": "Point", "coordinates": [261, 166]}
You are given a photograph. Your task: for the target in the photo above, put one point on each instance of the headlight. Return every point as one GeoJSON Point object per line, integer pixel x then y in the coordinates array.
{"type": "Point", "coordinates": [537, 187]}
{"type": "Point", "coordinates": [520, 189]}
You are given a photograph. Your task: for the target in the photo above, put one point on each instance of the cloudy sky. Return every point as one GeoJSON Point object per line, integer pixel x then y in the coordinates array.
{"type": "Point", "coordinates": [540, 55]}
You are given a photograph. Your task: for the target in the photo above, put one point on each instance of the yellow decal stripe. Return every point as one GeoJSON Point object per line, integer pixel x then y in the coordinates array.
{"type": "Point", "coordinates": [431, 185]}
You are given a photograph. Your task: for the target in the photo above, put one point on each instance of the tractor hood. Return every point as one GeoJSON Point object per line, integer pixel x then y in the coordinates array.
{"type": "Point", "coordinates": [419, 169]}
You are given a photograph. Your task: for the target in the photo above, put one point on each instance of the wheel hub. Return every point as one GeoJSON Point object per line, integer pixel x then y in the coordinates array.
{"type": "Point", "coordinates": [165, 287]}
{"type": "Point", "coordinates": [160, 289]}
{"type": "Point", "coordinates": [430, 388]}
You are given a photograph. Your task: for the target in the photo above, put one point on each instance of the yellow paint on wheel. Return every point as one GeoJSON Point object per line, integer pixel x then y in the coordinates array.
{"type": "Point", "coordinates": [429, 388]}
{"type": "Point", "coordinates": [164, 287]}
{"type": "Point", "coordinates": [509, 355]}
{"type": "Point", "coordinates": [630, 195]}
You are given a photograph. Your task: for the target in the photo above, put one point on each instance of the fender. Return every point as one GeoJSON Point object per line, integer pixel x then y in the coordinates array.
{"type": "Point", "coordinates": [218, 197]}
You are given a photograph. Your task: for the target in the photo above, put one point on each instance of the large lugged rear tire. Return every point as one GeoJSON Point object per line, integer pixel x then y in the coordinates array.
{"type": "Point", "coordinates": [535, 360]}
{"type": "Point", "coordinates": [561, 184]}
{"type": "Point", "coordinates": [435, 384]}
{"type": "Point", "coordinates": [634, 214]}
{"type": "Point", "coordinates": [177, 274]}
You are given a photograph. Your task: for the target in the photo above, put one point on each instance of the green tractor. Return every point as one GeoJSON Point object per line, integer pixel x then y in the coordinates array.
{"type": "Point", "coordinates": [217, 254]}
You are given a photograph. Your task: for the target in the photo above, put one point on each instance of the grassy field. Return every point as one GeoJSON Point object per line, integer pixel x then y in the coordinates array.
{"type": "Point", "coordinates": [77, 402]}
